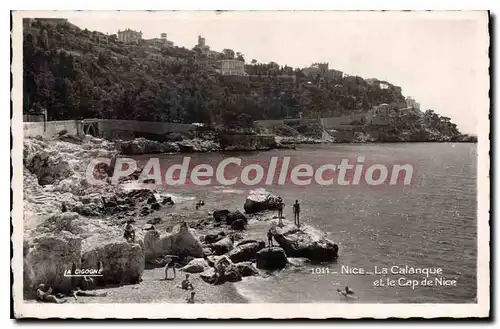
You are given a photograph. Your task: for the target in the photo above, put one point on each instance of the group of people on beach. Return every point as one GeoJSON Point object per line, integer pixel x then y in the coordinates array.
{"type": "Point", "coordinates": [45, 293]}
{"type": "Point", "coordinates": [185, 284]}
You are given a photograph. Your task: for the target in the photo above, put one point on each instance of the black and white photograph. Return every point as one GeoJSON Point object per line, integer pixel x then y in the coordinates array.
{"type": "Point", "coordinates": [260, 164]}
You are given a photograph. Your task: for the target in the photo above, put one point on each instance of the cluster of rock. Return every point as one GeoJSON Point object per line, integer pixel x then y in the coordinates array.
{"type": "Point", "coordinates": [65, 240]}
{"type": "Point", "coordinates": [229, 257]}
{"type": "Point", "coordinates": [59, 235]}
{"type": "Point", "coordinates": [287, 142]}
{"type": "Point", "coordinates": [146, 146]}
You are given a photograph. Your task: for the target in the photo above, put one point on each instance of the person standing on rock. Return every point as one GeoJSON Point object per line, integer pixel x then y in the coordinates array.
{"type": "Point", "coordinates": [281, 205]}
{"type": "Point", "coordinates": [270, 238]}
{"type": "Point", "coordinates": [296, 213]}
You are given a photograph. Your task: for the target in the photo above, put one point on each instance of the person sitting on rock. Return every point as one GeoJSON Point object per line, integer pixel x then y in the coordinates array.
{"type": "Point", "coordinates": [186, 285]}
{"type": "Point", "coordinates": [129, 233]}
{"type": "Point", "coordinates": [47, 296]}
{"type": "Point", "coordinates": [63, 207]}
{"type": "Point", "coordinates": [270, 237]}
{"type": "Point", "coordinates": [190, 300]}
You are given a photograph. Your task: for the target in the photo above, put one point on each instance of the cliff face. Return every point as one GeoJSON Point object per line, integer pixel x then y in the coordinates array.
{"type": "Point", "coordinates": [75, 73]}
{"type": "Point", "coordinates": [386, 124]}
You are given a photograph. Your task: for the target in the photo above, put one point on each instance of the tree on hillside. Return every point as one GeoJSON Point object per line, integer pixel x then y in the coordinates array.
{"type": "Point", "coordinates": [254, 61]}
{"type": "Point", "coordinates": [228, 53]}
{"type": "Point", "coordinates": [239, 56]}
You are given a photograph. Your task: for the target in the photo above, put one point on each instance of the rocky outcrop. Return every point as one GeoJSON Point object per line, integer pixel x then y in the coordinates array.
{"type": "Point", "coordinates": [246, 269]}
{"type": "Point", "coordinates": [145, 146]}
{"type": "Point", "coordinates": [48, 168]}
{"type": "Point", "coordinates": [235, 219]}
{"type": "Point", "coordinates": [238, 225]}
{"type": "Point", "coordinates": [123, 262]}
{"type": "Point", "coordinates": [197, 145]}
{"type": "Point", "coordinates": [209, 276]}
{"type": "Point", "coordinates": [197, 265]}
{"type": "Point", "coordinates": [247, 142]}
{"type": "Point", "coordinates": [222, 246]}
{"type": "Point", "coordinates": [307, 242]}
{"type": "Point", "coordinates": [271, 258]}
{"type": "Point", "coordinates": [66, 239]}
{"type": "Point", "coordinates": [220, 215]}
{"type": "Point", "coordinates": [226, 271]}
{"type": "Point", "coordinates": [222, 270]}
{"type": "Point", "coordinates": [47, 256]}
{"type": "Point", "coordinates": [260, 200]}
{"type": "Point", "coordinates": [182, 241]}
{"type": "Point", "coordinates": [245, 250]}
{"type": "Point", "coordinates": [212, 238]}
{"type": "Point", "coordinates": [236, 216]}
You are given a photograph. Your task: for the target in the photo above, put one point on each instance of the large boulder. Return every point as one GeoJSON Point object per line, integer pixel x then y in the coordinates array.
{"type": "Point", "coordinates": [222, 246]}
{"type": "Point", "coordinates": [220, 215]}
{"type": "Point", "coordinates": [209, 275]}
{"type": "Point", "coordinates": [66, 239]}
{"type": "Point", "coordinates": [260, 200]}
{"type": "Point", "coordinates": [246, 269]}
{"type": "Point", "coordinates": [246, 250]}
{"type": "Point", "coordinates": [238, 225]}
{"type": "Point", "coordinates": [226, 271]}
{"type": "Point", "coordinates": [197, 265]}
{"type": "Point", "coordinates": [182, 241]}
{"type": "Point", "coordinates": [47, 256]}
{"type": "Point", "coordinates": [212, 238]}
{"type": "Point", "coordinates": [271, 258]}
{"type": "Point", "coordinates": [185, 242]}
{"type": "Point", "coordinates": [235, 216]}
{"type": "Point", "coordinates": [307, 242]}
{"type": "Point", "coordinates": [123, 262]}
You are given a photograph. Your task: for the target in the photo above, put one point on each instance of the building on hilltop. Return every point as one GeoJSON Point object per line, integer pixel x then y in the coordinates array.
{"type": "Point", "coordinates": [202, 44]}
{"type": "Point", "coordinates": [204, 49]}
{"type": "Point", "coordinates": [335, 74]}
{"type": "Point", "coordinates": [232, 67]}
{"type": "Point", "coordinates": [161, 42]}
{"type": "Point", "coordinates": [410, 102]}
{"type": "Point", "coordinates": [129, 36]}
{"type": "Point", "coordinates": [322, 70]}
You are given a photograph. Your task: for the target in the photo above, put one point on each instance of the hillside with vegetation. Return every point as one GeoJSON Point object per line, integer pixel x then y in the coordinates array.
{"type": "Point", "coordinates": [75, 73]}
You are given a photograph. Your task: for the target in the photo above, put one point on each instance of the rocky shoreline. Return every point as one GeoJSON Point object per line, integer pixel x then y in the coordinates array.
{"type": "Point", "coordinates": [68, 222]}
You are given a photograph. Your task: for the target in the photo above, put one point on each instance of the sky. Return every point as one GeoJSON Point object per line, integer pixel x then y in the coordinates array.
{"type": "Point", "coordinates": [438, 58]}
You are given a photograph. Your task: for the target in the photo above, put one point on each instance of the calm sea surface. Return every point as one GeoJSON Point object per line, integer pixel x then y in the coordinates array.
{"type": "Point", "coordinates": [429, 224]}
